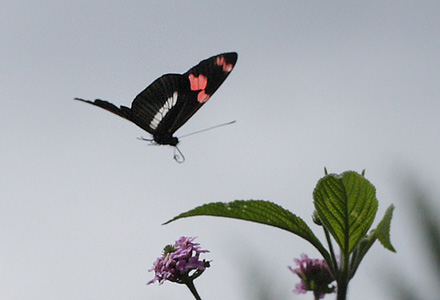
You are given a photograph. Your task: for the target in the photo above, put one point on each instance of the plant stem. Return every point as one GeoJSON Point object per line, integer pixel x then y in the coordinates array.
{"type": "Point", "coordinates": [316, 295]}
{"type": "Point", "coordinates": [193, 290]}
{"type": "Point", "coordinates": [343, 278]}
{"type": "Point", "coordinates": [342, 291]}
{"type": "Point", "coordinates": [333, 264]}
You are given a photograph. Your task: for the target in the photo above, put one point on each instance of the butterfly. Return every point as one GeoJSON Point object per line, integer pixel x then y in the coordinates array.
{"type": "Point", "coordinates": [166, 104]}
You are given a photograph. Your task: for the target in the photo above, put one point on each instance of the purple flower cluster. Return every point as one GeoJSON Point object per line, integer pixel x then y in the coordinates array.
{"type": "Point", "coordinates": [178, 261]}
{"type": "Point", "coordinates": [315, 276]}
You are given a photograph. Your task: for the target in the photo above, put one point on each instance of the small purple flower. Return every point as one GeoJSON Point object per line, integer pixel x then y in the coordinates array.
{"type": "Point", "coordinates": [180, 262]}
{"type": "Point", "coordinates": [315, 276]}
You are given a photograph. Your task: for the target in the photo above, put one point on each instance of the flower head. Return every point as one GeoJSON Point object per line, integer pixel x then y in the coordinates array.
{"type": "Point", "coordinates": [315, 276]}
{"type": "Point", "coordinates": [180, 262]}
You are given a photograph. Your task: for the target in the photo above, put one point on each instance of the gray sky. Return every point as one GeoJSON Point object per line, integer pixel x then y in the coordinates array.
{"type": "Point", "coordinates": [337, 84]}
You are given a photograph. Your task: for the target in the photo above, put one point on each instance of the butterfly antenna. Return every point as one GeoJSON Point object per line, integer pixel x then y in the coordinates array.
{"type": "Point", "coordinates": [178, 155]}
{"type": "Point", "coordinates": [206, 129]}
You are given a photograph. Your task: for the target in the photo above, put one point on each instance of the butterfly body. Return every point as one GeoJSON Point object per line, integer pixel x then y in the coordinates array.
{"type": "Point", "coordinates": [166, 104]}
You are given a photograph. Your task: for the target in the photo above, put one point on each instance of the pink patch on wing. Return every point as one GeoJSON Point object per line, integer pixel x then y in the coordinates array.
{"type": "Point", "coordinates": [198, 83]}
{"type": "Point", "coordinates": [226, 67]}
{"type": "Point", "coordinates": [202, 97]}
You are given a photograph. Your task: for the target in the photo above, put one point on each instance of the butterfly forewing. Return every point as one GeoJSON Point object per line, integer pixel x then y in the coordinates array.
{"type": "Point", "coordinates": [203, 80]}
{"type": "Point", "coordinates": [216, 69]}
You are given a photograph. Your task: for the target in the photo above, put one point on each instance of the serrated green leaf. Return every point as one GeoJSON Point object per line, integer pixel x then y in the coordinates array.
{"type": "Point", "coordinates": [383, 229]}
{"type": "Point", "coordinates": [346, 205]}
{"type": "Point", "coordinates": [381, 233]}
{"type": "Point", "coordinates": [259, 211]}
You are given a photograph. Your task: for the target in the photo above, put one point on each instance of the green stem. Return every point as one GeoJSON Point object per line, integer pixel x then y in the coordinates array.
{"type": "Point", "coordinates": [343, 278]}
{"type": "Point", "coordinates": [193, 290]}
{"type": "Point", "coordinates": [316, 295]}
{"type": "Point", "coordinates": [333, 264]}
{"type": "Point", "coordinates": [342, 291]}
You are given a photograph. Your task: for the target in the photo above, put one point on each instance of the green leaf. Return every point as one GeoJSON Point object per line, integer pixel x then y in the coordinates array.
{"type": "Point", "coordinates": [346, 205]}
{"type": "Point", "coordinates": [383, 229]}
{"type": "Point", "coordinates": [382, 232]}
{"type": "Point", "coordinates": [259, 211]}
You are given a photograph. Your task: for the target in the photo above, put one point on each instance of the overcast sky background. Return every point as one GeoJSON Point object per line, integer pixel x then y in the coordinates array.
{"type": "Point", "coordinates": [347, 85]}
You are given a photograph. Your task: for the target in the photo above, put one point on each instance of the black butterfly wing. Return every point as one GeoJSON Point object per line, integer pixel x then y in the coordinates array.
{"type": "Point", "coordinates": [150, 107]}
{"type": "Point", "coordinates": [203, 80]}
{"type": "Point", "coordinates": [121, 111]}
{"type": "Point", "coordinates": [154, 108]}
{"type": "Point", "coordinates": [166, 104]}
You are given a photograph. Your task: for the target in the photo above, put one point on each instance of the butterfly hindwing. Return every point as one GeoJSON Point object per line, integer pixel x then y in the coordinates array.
{"type": "Point", "coordinates": [121, 111]}
{"type": "Point", "coordinates": [154, 107]}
